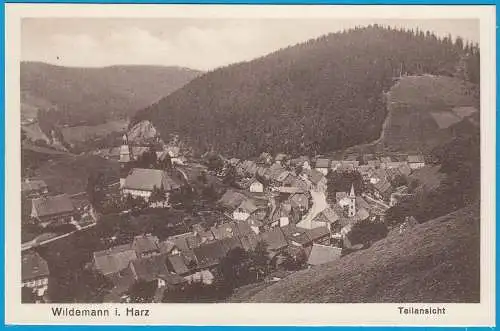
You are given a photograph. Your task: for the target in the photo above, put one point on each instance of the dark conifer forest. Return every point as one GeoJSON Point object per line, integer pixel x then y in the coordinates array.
{"type": "Point", "coordinates": [322, 95]}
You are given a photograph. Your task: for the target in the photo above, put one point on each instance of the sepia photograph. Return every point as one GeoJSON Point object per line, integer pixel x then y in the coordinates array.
{"type": "Point", "coordinates": [257, 159]}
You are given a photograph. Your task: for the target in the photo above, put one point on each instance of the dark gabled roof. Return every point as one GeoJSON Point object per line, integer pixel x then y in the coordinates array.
{"type": "Point", "coordinates": [145, 243]}
{"type": "Point", "coordinates": [296, 234]}
{"type": "Point", "coordinates": [52, 205]}
{"type": "Point", "coordinates": [231, 199]}
{"type": "Point", "coordinates": [114, 259]}
{"type": "Point", "coordinates": [33, 266]}
{"type": "Point", "coordinates": [147, 179]}
{"type": "Point", "coordinates": [274, 238]}
{"type": "Point", "coordinates": [209, 255]}
{"type": "Point", "coordinates": [166, 246]}
{"type": "Point", "coordinates": [181, 241]}
{"type": "Point", "coordinates": [225, 230]}
{"type": "Point", "coordinates": [251, 205]}
{"type": "Point", "coordinates": [321, 254]}
{"type": "Point", "coordinates": [299, 200]}
{"type": "Point", "coordinates": [327, 215]}
{"type": "Point", "coordinates": [318, 233]}
{"type": "Point", "coordinates": [315, 176]}
{"type": "Point", "coordinates": [249, 241]}
{"type": "Point", "coordinates": [177, 263]}
{"type": "Point", "coordinates": [151, 268]}
{"type": "Point", "coordinates": [244, 228]}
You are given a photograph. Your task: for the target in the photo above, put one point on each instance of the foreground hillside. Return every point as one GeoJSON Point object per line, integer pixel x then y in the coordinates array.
{"type": "Point", "coordinates": [80, 96]}
{"type": "Point", "coordinates": [437, 261]}
{"type": "Point", "coordinates": [322, 95]}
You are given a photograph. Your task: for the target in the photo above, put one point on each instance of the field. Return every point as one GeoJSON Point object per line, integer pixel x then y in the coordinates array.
{"type": "Point", "coordinates": [422, 108]}
{"type": "Point", "coordinates": [69, 174]}
{"type": "Point", "coordinates": [76, 134]}
{"type": "Point", "coordinates": [437, 261]}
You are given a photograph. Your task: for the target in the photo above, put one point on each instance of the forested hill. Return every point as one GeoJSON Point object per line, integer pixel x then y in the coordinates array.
{"type": "Point", "coordinates": [88, 96]}
{"type": "Point", "coordinates": [321, 95]}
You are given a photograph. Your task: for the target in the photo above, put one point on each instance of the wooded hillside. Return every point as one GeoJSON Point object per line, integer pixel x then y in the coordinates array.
{"type": "Point", "coordinates": [321, 95]}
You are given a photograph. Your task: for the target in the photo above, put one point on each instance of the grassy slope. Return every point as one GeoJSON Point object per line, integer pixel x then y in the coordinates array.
{"type": "Point", "coordinates": [410, 125]}
{"type": "Point", "coordinates": [69, 174]}
{"type": "Point", "coordinates": [437, 261]}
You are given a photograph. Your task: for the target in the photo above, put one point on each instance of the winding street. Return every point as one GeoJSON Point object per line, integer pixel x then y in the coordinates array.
{"type": "Point", "coordinates": [318, 205]}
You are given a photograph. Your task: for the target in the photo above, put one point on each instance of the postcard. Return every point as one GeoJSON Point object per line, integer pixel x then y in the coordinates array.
{"type": "Point", "coordinates": [250, 165]}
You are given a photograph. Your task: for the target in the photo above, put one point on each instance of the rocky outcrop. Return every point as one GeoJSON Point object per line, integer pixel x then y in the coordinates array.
{"type": "Point", "coordinates": [143, 133]}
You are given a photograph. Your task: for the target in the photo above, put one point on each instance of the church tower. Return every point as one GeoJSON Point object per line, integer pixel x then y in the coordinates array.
{"type": "Point", "coordinates": [352, 202]}
{"type": "Point", "coordinates": [126, 158]}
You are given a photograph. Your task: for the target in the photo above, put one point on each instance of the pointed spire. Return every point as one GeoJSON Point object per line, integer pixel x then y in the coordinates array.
{"type": "Point", "coordinates": [352, 195]}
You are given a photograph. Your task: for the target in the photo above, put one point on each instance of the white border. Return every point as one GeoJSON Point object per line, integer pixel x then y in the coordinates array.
{"type": "Point", "coordinates": [482, 314]}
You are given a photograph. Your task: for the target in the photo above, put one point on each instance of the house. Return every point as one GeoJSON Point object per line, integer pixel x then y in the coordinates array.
{"type": "Point", "coordinates": [168, 247]}
{"type": "Point", "coordinates": [299, 201]}
{"type": "Point", "coordinates": [209, 255]}
{"type": "Point", "coordinates": [265, 158]}
{"type": "Point", "coordinates": [141, 183]}
{"type": "Point", "coordinates": [301, 162]}
{"type": "Point", "coordinates": [276, 171]}
{"type": "Point", "coordinates": [296, 236]}
{"type": "Point", "coordinates": [154, 269]}
{"type": "Point", "coordinates": [35, 273]}
{"type": "Point", "coordinates": [327, 218]}
{"type": "Point", "coordinates": [178, 264]}
{"type": "Point", "coordinates": [256, 222]}
{"type": "Point", "coordinates": [32, 188]}
{"type": "Point", "coordinates": [319, 235]}
{"type": "Point", "coordinates": [231, 200]}
{"type": "Point", "coordinates": [281, 158]}
{"type": "Point", "coordinates": [416, 161]}
{"type": "Point", "coordinates": [283, 215]}
{"type": "Point", "coordinates": [225, 230]}
{"type": "Point", "coordinates": [146, 245]}
{"type": "Point", "coordinates": [283, 177]}
{"type": "Point", "coordinates": [275, 239]}
{"type": "Point", "coordinates": [53, 210]}
{"type": "Point", "coordinates": [316, 178]}
{"type": "Point", "coordinates": [321, 254]}
{"type": "Point", "coordinates": [114, 259]}
{"type": "Point", "coordinates": [249, 241]}
{"type": "Point", "coordinates": [322, 165]}
{"type": "Point", "coordinates": [203, 276]}
{"type": "Point", "coordinates": [256, 186]}
{"type": "Point", "coordinates": [249, 207]}
{"type": "Point", "coordinates": [393, 165]}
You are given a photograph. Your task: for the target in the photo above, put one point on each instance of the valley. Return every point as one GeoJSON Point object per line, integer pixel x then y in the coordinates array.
{"type": "Point", "coordinates": [344, 169]}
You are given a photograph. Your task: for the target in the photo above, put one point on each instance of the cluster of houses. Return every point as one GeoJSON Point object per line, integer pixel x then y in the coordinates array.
{"type": "Point", "coordinates": [194, 256]}
{"type": "Point", "coordinates": [141, 182]}
{"type": "Point", "coordinates": [48, 211]}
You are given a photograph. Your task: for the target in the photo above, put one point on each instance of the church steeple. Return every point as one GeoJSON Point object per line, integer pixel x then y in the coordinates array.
{"type": "Point", "coordinates": [352, 202]}
{"type": "Point", "coordinates": [125, 151]}
{"type": "Point", "coordinates": [125, 158]}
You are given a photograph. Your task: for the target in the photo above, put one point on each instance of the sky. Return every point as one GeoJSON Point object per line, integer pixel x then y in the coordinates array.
{"type": "Point", "coordinates": [202, 44]}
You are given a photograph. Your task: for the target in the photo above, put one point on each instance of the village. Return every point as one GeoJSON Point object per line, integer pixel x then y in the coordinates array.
{"type": "Point", "coordinates": [272, 216]}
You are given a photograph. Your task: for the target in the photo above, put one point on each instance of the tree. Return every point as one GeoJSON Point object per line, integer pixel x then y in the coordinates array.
{"type": "Point", "coordinates": [158, 196]}
{"type": "Point", "coordinates": [96, 189]}
{"type": "Point", "coordinates": [165, 163]}
{"type": "Point", "coordinates": [27, 295]}
{"type": "Point", "coordinates": [142, 291]}
{"type": "Point", "coordinates": [234, 267]}
{"type": "Point", "coordinates": [259, 258]}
